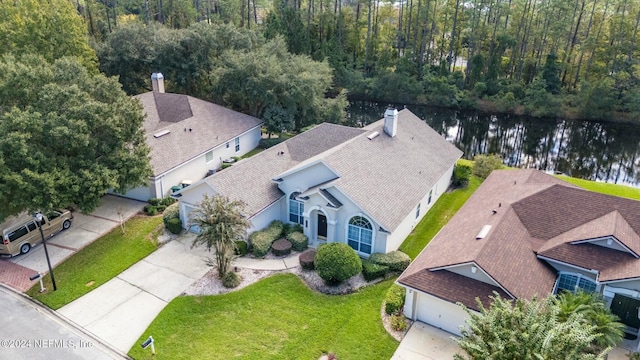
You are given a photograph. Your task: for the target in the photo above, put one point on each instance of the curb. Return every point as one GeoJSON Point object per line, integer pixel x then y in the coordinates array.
{"type": "Point", "coordinates": [105, 347]}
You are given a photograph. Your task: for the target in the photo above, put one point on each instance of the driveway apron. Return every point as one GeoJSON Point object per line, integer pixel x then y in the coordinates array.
{"type": "Point", "coordinates": [119, 311]}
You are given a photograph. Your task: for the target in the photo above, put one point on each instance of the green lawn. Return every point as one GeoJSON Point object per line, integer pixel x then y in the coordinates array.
{"type": "Point", "coordinates": [604, 188]}
{"type": "Point", "coordinates": [446, 206]}
{"type": "Point", "coordinates": [99, 262]}
{"type": "Point", "coordinates": [276, 318]}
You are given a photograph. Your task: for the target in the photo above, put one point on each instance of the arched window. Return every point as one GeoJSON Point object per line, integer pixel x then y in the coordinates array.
{"type": "Point", "coordinates": [360, 234]}
{"type": "Point", "coordinates": [574, 282]}
{"type": "Point", "coordinates": [296, 208]}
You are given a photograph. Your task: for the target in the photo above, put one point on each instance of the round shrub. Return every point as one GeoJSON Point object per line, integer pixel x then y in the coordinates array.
{"type": "Point", "coordinates": [281, 247]}
{"type": "Point", "coordinates": [298, 240]}
{"type": "Point", "coordinates": [174, 225]}
{"type": "Point", "coordinates": [275, 229]}
{"type": "Point", "coordinates": [172, 211]}
{"type": "Point", "coordinates": [241, 248]}
{"type": "Point", "coordinates": [372, 271]}
{"type": "Point", "coordinates": [231, 280]}
{"type": "Point", "coordinates": [307, 258]}
{"type": "Point", "coordinates": [395, 260]}
{"type": "Point", "coordinates": [336, 262]}
{"type": "Point", "coordinates": [394, 300]}
{"type": "Point", "coordinates": [260, 242]}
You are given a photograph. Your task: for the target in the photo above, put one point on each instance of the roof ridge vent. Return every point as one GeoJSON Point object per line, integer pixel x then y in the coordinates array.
{"type": "Point", "coordinates": [373, 135]}
{"type": "Point", "coordinates": [483, 232]}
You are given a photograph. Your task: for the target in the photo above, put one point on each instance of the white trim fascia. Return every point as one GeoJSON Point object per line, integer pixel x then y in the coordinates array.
{"type": "Point", "coordinates": [473, 263]}
{"type": "Point", "coordinates": [637, 278]}
{"type": "Point", "coordinates": [592, 271]}
{"type": "Point", "coordinates": [196, 184]}
{"type": "Point", "coordinates": [381, 228]}
{"type": "Point", "coordinates": [300, 167]}
{"type": "Point", "coordinates": [435, 296]}
{"type": "Point", "coordinates": [606, 238]}
{"type": "Point", "coordinates": [204, 152]}
{"type": "Point", "coordinates": [616, 290]}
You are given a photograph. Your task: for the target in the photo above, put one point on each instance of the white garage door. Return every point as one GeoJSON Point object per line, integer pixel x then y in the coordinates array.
{"type": "Point", "coordinates": [439, 313]}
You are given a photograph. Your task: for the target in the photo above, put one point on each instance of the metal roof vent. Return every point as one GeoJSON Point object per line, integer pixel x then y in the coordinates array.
{"type": "Point", "coordinates": [162, 133]}
{"type": "Point", "coordinates": [373, 135]}
{"type": "Point", "coordinates": [483, 232]}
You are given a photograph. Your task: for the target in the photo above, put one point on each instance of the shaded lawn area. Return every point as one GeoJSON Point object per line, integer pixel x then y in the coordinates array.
{"type": "Point", "coordinates": [100, 261]}
{"type": "Point", "coordinates": [604, 188]}
{"type": "Point", "coordinates": [276, 318]}
{"type": "Point", "coordinates": [441, 212]}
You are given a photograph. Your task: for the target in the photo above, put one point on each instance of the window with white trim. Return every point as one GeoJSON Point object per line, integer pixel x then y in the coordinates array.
{"type": "Point", "coordinates": [237, 141]}
{"type": "Point", "coordinates": [360, 234]}
{"type": "Point", "coordinates": [573, 282]}
{"type": "Point", "coordinates": [418, 211]}
{"type": "Point", "coordinates": [429, 199]}
{"type": "Point", "coordinates": [208, 157]}
{"type": "Point", "coordinates": [296, 209]}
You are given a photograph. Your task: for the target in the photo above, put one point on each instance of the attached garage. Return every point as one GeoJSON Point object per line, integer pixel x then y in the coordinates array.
{"type": "Point", "coordinates": [439, 313]}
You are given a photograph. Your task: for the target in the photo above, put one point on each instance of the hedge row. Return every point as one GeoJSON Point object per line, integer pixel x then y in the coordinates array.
{"type": "Point", "coordinates": [395, 260]}
{"type": "Point", "coordinates": [372, 271]}
{"type": "Point", "coordinates": [260, 241]}
{"type": "Point", "coordinates": [394, 300]}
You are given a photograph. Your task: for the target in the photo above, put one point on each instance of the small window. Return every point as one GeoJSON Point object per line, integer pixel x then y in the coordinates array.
{"type": "Point", "coordinates": [418, 211]}
{"type": "Point", "coordinates": [22, 231]}
{"type": "Point", "coordinates": [237, 141]}
{"type": "Point", "coordinates": [429, 199]}
{"type": "Point", "coordinates": [208, 156]}
{"type": "Point", "coordinates": [296, 209]}
{"type": "Point", "coordinates": [227, 144]}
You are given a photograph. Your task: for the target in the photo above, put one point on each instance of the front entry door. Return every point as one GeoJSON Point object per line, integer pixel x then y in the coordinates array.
{"type": "Point", "coordinates": [627, 310]}
{"type": "Point", "coordinates": [322, 225]}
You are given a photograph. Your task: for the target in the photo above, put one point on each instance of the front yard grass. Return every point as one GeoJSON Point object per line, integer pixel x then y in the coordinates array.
{"type": "Point", "coordinates": [276, 318]}
{"type": "Point", "coordinates": [441, 212]}
{"type": "Point", "coordinates": [604, 188]}
{"type": "Point", "coordinates": [99, 262]}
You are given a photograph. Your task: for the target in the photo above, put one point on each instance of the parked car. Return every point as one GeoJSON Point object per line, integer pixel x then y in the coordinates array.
{"type": "Point", "coordinates": [20, 233]}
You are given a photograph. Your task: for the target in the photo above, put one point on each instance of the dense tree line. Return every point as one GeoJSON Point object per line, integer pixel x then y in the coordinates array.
{"type": "Point", "coordinates": [541, 57]}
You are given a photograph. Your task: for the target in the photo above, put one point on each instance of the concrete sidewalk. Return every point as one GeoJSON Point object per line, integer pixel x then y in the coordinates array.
{"type": "Point", "coordinates": [287, 262]}
{"type": "Point", "coordinates": [120, 311]}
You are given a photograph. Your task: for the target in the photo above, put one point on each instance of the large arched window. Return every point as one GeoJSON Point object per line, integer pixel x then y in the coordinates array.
{"type": "Point", "coordinates": [296, 208]}
{"type": "Point", "coordinates": [574, 282]}
{"type": "Point", "coordinates": [360, 234]}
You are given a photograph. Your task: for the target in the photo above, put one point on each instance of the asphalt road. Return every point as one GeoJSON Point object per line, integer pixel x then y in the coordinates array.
{"type": "Point", "coordinates": [29, 331]}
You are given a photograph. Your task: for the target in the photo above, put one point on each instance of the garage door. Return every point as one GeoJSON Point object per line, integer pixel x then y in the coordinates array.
{"type": "Point", "coordinates": [185, 221]}
{"type": "Point", "coordinates": [439, 313]}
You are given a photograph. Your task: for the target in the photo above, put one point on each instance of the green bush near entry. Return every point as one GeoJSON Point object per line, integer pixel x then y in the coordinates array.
{"type": "Point", "coordinates": [395, 260]}
{"type": "Point", "coordinates": [372, 271]}
{"type": "Point", "coordinates": [336, 262]}
{"type": "Point", "coordinates": [299, 241]}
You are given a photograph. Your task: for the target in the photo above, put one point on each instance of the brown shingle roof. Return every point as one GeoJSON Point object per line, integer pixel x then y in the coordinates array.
{"type": "Point", "coordinates": [211, 125]}
{"type": "Point", "coordinates": [535, 212]}
{"type": "Point", "coordinates": [453, 287]}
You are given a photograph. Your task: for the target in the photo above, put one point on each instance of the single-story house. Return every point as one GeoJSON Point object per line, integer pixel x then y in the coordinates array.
{"type": "Point", "coordinates": [525, 233]}
{"type": "Point", "coordinates": [188, 138]}
{"type": "Point", "coordinates": [367, 187]}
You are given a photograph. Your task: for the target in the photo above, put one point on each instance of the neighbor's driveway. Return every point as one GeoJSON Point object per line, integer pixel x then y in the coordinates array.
{"type": "Point", "coordinates": [424, 342]}
{"type": "Point", "coordinates": [119, 311]}
{"type": "Point", "coordinates": [84, 230]}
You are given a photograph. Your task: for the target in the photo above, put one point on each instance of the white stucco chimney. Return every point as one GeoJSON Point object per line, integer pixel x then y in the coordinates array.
{"type": "Point", "coordinates": [157, 82]}
{"type": "Point", "coordinates": [391, 121]}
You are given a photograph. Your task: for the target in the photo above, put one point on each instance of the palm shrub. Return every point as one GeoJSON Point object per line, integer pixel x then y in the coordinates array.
{"type": "Point", "coordinates": [336, 262]}
{"type": "Point", "coordinates": [461, 175]}
{"type": "Point", "coordinates": [221, 224]}
{"type": "Point", "coordinates": [299, 241]}
{"type": "Point", "coordinates": [231, 280]}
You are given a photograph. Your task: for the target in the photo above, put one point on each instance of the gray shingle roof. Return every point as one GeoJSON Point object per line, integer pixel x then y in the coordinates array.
{"type": "Point", "coordinates": [211, 125]}
{"type": "Point", "coordinates": [535, 214]}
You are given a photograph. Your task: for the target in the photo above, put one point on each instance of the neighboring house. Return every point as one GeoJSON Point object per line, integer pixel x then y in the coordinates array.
{"type": "Point", "coordinates": [525, 233]}
{"type": "Point", "coordinates": [188, 137]}
{"type": "Point", "coordinates": [367, 187]}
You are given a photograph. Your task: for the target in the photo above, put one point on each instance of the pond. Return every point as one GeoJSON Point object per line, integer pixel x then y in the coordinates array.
{"type": "Point", "coordinates": [593, 150]}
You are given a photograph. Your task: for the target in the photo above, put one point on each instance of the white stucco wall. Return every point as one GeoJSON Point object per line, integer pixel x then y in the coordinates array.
{"type": "Point", "coordinates": [466, 270]}
{"type": "Point", "coordinates": [265, 217]}
{"type": "Point", "coordinates": [395, 239]}
{"type": "Point", "coordinates": [305, 178]}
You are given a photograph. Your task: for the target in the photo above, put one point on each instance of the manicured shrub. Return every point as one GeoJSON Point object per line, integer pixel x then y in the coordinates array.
{"type": "Point", "coordinates": [299, 241]}
{"type": "Point", "coordinates": [461, 175]}
{"type": "Point", "coordinates": [293, 228]}
{"type": "Point", "coordinates": [483, 165]}
{"type": "Point", "coordinates": [281, 247]}
{"type": "Point", "coordinates": [267, 143]}
{"type": "Point", "coordinates": [172, 211]}
{"type": "Point", "coordinates": [241, 248]}
{"type": "Point", "coordinates": [160, 208]}
{"type": "Point", "coordinates": [174, 225]}
{"type": "Point", "coordinates": [395, 260]}
{"type": "Point", "coordinates": [398, 322]}
{"type": "Point", "coordinates": [307, 259]}
{"type": "Point", "coordinates": [231, 280]}
{"type": "Point", "coordinates": [394, 300]}
{"type": "Point", "coordinates": [336, 262]}
{"type": "Point", "coordinates": [166, 201]}
{"type": "Point", "coordinates": [372, 271]}
{"type": "Point", "coordinates": [154, 201]}
{"type": "Point", "coordinates": [150, 210]}
{"type": "Point", "coordinates": [275, 229]}
{"type": "Point", "coordinates": [226, 165]}
{"type": "Point", "coordinates": [260, 241]}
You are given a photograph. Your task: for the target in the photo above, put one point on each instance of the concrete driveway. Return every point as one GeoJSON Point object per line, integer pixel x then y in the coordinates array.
{"type": "Point", "coordinates": [84, 230]}
{"type": "Point", "coordinates": [33, 332]}
{"type": "Point", "coordinates": [119, 311]}
{"type": "Point", "coordinates": [424, 342]}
